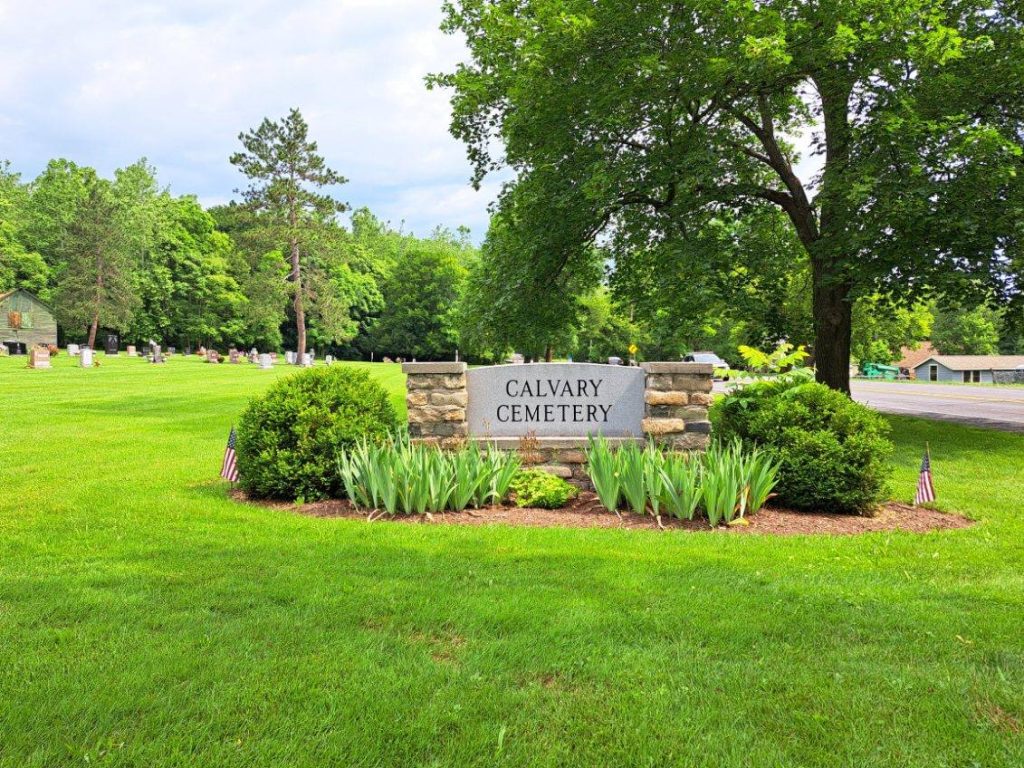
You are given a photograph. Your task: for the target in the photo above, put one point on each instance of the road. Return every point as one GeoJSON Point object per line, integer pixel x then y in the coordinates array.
{"type": "Point", "coordinates": [980, 405]}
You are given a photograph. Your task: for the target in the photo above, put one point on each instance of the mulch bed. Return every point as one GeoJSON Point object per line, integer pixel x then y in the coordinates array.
{"type": "Point", "coordinates": [586, 512]}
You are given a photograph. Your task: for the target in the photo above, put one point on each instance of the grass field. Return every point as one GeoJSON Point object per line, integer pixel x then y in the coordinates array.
{"type": "Point", "coordinates": [147, 620]}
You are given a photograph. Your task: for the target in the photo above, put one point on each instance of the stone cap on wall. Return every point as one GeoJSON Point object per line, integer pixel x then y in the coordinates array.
{"type": "Point", "coordinates": [695, 369]}
{"type": "Point", "coordinates": [427, 368]}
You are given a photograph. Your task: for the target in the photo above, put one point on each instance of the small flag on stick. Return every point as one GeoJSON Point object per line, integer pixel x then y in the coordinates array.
{"type": "Point", "coordinates": [925, 490]}
{"type": "Point", "coordinates": [229, 469]}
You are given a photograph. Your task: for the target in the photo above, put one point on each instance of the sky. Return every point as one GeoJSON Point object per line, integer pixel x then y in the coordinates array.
{"type": "Point", "coordinates": [105, 82]}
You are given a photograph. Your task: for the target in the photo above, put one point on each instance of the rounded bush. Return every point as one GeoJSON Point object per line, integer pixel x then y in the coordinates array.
{"type": "Point", "coordinates": [833, 452]}
{"type": "Point", "coordinates": [289, 437]}
{"type": "Point", "coordinates": [537, 488]}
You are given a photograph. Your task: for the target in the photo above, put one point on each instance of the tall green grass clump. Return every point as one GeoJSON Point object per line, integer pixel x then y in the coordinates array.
{"type": "Point", "coordinates": [724, 484]}
{"type": "Point", "coordinates": [402, 477]}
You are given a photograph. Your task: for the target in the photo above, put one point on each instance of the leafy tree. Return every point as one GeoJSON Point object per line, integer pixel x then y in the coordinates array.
{"type": "Point", "coordinates": [286, 176]}
{"type": "Point", "coordinates": [604, 329]}
{"type": "Point", "coordinates": [959, 331]}
{"type": "Point", "coordinates": [881, 331]}
{"type": "Point", "coordinates": [96, 286]}
{"type": "Point", "coordinates": [642, 123]}
{"type": "Point", "coordinates": [420, 295]}
{"type": "Point", "coordinates": [19, 267]}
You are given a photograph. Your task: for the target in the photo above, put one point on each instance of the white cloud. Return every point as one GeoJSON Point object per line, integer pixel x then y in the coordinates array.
{"type": "Point", "coordinates": [106, 82]}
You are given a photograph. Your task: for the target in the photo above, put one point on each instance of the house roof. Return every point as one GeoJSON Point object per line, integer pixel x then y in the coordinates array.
{"type": "Point", "coordinates": [911, 358]}
{"type": "Point", "coordinates": [976, 362]}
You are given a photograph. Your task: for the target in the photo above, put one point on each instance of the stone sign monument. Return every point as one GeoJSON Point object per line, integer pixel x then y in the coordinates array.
{"type": "Point", "coordinates": [554, 407]}
{"type": "Point", "coordinates": [555, 400]}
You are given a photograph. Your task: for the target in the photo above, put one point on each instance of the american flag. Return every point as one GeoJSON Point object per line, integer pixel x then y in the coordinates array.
{"type": "Point", "coordinates": [229, 469]}
{"type": "Point", "coordinates": [925, 490]}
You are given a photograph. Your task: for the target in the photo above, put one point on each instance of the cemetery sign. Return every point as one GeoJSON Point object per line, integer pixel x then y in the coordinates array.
{"type": "Point", "coordinates": [555, 400]}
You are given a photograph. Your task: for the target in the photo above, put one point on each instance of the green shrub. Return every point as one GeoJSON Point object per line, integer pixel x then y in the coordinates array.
{"type": "Point", "coordinates": [537, 488]}
{"type": "Point", "coordinates": [289, 437]}
{"type": "Point", "coordinates": [832, 452]}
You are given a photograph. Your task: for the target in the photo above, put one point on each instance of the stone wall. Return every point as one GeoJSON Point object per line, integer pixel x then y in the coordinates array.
{"type": "Point", "coordinates": [676, 397]}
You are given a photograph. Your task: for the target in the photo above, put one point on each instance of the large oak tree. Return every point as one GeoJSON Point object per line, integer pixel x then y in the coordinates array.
{"type": "Point", "coordinates": [641, 124]}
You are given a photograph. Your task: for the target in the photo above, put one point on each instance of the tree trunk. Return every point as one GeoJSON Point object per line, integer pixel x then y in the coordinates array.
{"type": "Point", "coordinates": [93, 328]}
{"type": "Point", "coordinates": [300, 314]}
{"type": "Point", "coordinates": [549, 354]}
{"type": "Point", "coordinates": [833, 323]}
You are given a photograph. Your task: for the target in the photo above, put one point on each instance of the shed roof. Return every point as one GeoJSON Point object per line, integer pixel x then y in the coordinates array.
{"type": "Point", "coordinates": [976, 362]}
{"type": "Point", "coordinates": [29, 293]}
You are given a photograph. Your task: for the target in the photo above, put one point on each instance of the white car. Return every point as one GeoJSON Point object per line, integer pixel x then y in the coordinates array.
{"type": "Point", "coordinates": [721, 368]}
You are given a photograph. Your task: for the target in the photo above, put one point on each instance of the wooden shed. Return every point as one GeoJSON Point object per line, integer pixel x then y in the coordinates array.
{"type": "Point", "coordinates": [26, 319]}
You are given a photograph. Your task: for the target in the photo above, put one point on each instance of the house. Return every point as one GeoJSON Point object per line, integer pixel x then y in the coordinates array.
{"type": "Point", "coordinates": [984, 369]}
{"type": "Point", "coordinates": [911, 358]}
{"type": "Point", "coordinates": [25, 321]}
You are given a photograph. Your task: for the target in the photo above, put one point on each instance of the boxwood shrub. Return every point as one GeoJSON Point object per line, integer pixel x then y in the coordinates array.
{"type": "Point", "coordinates": [289, 437]}
{"type": "Point", "coordinates": [537, 488]}
{"type": "Point", "coordinates": [833, 452]}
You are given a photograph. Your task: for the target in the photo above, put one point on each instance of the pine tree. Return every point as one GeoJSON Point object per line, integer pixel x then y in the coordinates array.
{"type": "Point", "coordinates": [286, 176]}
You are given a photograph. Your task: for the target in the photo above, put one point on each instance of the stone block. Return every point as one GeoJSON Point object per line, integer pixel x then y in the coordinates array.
{"type": "Point", "coordinates": [572, 457]}
{"type": "Point", "coordinates": [454, 382]}
{"type": "Point", "coordinates": [658, 427]}
{"type": "Point", "coordinates": [417, 398]}
{"type": "Point", "coordinates": [655, 397]}
{"type": "Point", "coordinates": [660, 381]}
{"type": "Point", "coordinates": [426, 381]}
{"type": "Point", "coordinates": [433, 368]}
{"type": "Point", "coordinates": [698, 427]}
{"type": "Point", "coordinates": [558, 470]}
{"type": "Point", "coordinates": [690, 441]}
{"type": "Point", "coordinates": [689, 383]}
{"type": "Point", "coordinates": [701, 398]}
{"type": "Point", "coordinates": [449, 397]}
{"type": "Point", "coordinates": [693, 369]}
{"type": "Point", "coordinates": [441, 429]}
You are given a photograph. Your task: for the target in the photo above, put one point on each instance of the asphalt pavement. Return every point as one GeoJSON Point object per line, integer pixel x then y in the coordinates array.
{"type": "Point", "coordinates": [980, 405]}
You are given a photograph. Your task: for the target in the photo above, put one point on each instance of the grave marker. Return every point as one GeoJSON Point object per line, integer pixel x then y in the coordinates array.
{"type": "Point", "coordinates": [39, 357]}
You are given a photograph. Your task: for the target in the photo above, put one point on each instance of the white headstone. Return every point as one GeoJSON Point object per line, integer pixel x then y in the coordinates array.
{"type": "Point", "coordinates": [289, 357]}
{"type": "Point", "coordinates": [329, 359]}
{"type": "Point", "coordinates": [266, 361]}
{"type": "Point", "coordinates": [85, 357]}
{"type": "Point", "coordinates": [73, 350]}
{"type": "Point", "coordinates": [307, 360]}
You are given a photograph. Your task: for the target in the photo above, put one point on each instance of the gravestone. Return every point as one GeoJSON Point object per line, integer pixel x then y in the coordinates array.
{"type": "Point", "coordinates": [329, 359]}
{"type": "Point", "coordinates": [39, 357]}
{"type": "Point", "coordinates": [73, 350]}
{"type": "Point", "coordinates": [156, 356]}
{"type": "Point", "coordinates": [289, 357]}
{"type": "Point", "coordinates": [307, 360]}
{"type": "Point", "coordinates": [85, 357]}
{"type": "Point", "coordinates": [113, 343]}
{"type": "Point", "coordinates": [212, 356]}
{"type": "Point", "coordinates": [170, 351]}
{"type": "Point", "coordinates": [132, 352]}
{"type": "Point", "coordinates": [234, 357]}
{"type": "Point", "coordinates": [266, 361]}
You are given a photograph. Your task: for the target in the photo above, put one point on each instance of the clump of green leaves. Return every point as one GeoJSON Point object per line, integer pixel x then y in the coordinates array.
{"type": "Point", "coordinates": [402, 477]}
{"type": "Point", "coordinates": [725, 483]}
{"type": "Point", "coordinates": [537, 488]}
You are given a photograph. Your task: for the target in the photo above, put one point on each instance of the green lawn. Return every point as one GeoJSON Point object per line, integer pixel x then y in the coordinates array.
{"type": "Point", "coordinates": [147, 620]}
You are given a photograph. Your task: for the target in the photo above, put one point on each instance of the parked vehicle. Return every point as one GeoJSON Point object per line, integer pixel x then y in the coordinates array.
{"type": "Point", "coordinates": [721, 368]}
